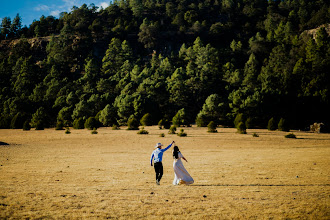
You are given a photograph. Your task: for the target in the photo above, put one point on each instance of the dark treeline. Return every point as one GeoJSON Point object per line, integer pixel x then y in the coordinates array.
{"type": "Point", "coordinates": [194, 60]}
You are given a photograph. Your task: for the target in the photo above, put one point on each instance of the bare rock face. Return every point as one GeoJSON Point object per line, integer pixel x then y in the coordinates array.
{"type": "Point", "coordinates": [314, 31]}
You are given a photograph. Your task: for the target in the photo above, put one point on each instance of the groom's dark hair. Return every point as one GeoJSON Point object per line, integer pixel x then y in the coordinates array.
{"type": "Point", "coordinates": [176, 152]}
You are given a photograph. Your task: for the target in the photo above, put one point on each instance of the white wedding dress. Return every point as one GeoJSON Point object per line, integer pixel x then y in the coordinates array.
{"type": "Point", "coordinates": [181, 174]}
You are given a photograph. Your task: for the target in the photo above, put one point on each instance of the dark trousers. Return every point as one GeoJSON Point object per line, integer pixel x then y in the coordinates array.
{"type": "Point", "coordinates": [159, 170]}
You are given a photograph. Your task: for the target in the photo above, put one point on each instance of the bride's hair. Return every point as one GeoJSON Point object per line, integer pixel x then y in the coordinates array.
{"type": "Point", "coordinates": [176, 152]}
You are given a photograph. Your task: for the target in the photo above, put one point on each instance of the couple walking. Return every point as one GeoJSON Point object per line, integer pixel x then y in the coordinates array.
{"type": "Point", "coordinates": [181, 176]}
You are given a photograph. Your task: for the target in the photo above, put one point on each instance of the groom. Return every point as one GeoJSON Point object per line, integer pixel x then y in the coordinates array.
{"type": "Point", "coordinates": [157, 156]}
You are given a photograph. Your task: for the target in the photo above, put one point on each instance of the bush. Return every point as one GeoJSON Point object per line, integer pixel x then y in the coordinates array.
{"type": "Point", "coordinates": [282, 125]}
{"type": "Point", "coordinates": [212, 127]}
{"type": "Point", "coordinates": [26, 126]}
{"type": "Point", "coordinates": [91, 123]}
{"type": "Point", "coordinates": [172, 129]}
{"type": "Point", "coordinates": [146, 120]}
{"type": "Point", "coordinates": [238, 119]}
{"type": "Point", "coordinates": [161, 124]}
{"type": "Point", "coordinates": [115, 127]}
{"type": "Point", "coordinates": [180, 118]}
{"type": "Point", "coordinates": [249, 123]}
{"type": "Point", "coordinates": [241, 128]}
{"type": "Point", "coordinates": [78, 123]}
{"type": "Point", "coordinates": [5, 122]}
{"type": "Point", "coordinates": [162, 135]}
{"type": "Point", "coordinates": [39, 125]}
{"type": "Point", "coordinates": [201, 120]}
{"type": "Point", "coordinates": [133, 123]}
{"type": "Point", "coordinates": [166, 123]}
{"type": "Point", "coordinates": [255, 135]}
{"type": "Point", "coordinates": [271, 124]}
{"type": "Point", "coordinates": [291, 135]}
{"type": "Point", "coordinates": [59, 125]}
{"type": "Point", "coordinates": [142, 131]}
{"type": "Point", "coordinates": [94, 131]}
{"type": "Point", "coordinates": [182, 133]}
{"type": "Point", "coordinates": [17, 121]}
{"type": "Point", "coordinates": [67, 131]}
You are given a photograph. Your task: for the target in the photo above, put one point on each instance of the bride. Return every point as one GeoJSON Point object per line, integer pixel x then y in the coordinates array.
{"type": "Point", "coordinates": [181, 174]}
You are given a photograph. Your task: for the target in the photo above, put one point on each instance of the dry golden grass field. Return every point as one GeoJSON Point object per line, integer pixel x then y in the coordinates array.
{"type": "Point", "coordinates": [52, 175]}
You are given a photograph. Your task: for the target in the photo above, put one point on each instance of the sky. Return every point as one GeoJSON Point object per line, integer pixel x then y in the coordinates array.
{"type": "Point", "coordinates": [30, 10]}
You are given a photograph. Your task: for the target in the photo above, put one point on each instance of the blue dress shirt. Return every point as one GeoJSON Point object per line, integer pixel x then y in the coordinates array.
{"type": "Point", "coordinates": [157, 154]}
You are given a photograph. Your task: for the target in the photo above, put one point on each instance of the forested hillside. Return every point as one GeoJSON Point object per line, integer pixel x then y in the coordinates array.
{"type": "Point", "coordinates": [198, 60]}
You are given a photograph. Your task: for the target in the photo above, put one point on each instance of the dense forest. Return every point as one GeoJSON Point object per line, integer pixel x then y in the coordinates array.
{"type": "Point", "coordinates": [193, 61]}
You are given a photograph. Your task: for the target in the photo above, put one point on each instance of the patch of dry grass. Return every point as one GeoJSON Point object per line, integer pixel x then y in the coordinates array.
{"type": "Point", "coordinates": [49, 174]}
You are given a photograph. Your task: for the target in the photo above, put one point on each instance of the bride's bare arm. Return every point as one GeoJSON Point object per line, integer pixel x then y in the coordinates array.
{"type": "Point", "coordinates": [185, 159]}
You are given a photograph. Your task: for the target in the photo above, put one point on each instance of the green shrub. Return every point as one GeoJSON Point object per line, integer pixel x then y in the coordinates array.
{"type": "Point", "coordinates": [241, 128]}
{"type": "Point", "coordinates": [146, 120]}
{"type": "Point", "coordinates": [201, 120]}
{"type": "Point", "coordinates": [142, 131]}
{"type": "Point", "coordinates": [161, 124]}
{"type": "Point", "coordinates": [239, 118]}
{"type": "Point", "coordinates": [133, 123]}
{"type": "Point", "coordinates": [271, 125]}
{"type": "Point", "coordinates": [182, 133]}
{"type": "Point", "coordinates": [115, 127]}
{"type": "Point", "coordinates": [212, 127]}
{"type": "Point", "coordinates": [166, 123]}
{"type": "Point", "coordinates": [180, 118]}
{"type": "Point", "coordinates": [78, 123]}
{"type": "Point", "coordinates": [17, 121]}
{"type": "Point", "coordinates": [26, 126]}
{"type": "Point", "coordinates": [91, 123]}
{"type": "Point", "coordinates": [94, 131]}
{"type": "Point", "coordinates": [283, 125]}
{"type": "Point", "coordinates": [172, 129]}
{"type": "Point", "coordinates": [4, 122]}
{"type": "Point", "coordinates": [249, 123]}
{"type": "Point", "coordinates": [67, 130]}
{"type": "Point", "coordinates": [162, 135]}
{"type": "Point", "coordinates": [39, 125]}
{"type": "Point", "coordinates": [291, 135]}
{"type": "Point", "coordinates": [59, 125]}
{"type": "Point", "coordinates": [255, 135]}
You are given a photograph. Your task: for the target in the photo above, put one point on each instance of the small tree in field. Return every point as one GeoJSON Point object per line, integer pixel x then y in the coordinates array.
{"type": "Point", "coordinates": [26, 126]}
{"type": "Point", "coordinates": [212, 127]}
{"type": "Point", "coordinates": [142, 131]}
{"type": "Point", "coordinates": [241, 128]}
{"type": "Point", "coordinates": [161, 124]}
{"type": "Point", "coordinates": [59, 125]}
{"type": "Point", "coordinates": [67, 131]}
{"type": "Point", "coordinates": [249, 123]}
{"type": "Point", "coordinates": [146, 120]}
{"type": "Point", "coordinates": [94, 131]}
{"type": "Point", "coordinates": [180, 118]}
{"type": "Point", "coordinates": [182, 133]}
{"type": "Point", "coordinates": [39, 125]}
{"type": "Point", "coordinates": [78, 123]}
{"type": "Point", "coordinates": [172, 129]}
{"type": "Point", "coordinates": [91, 123]}
{"type": "Point", "coordinates": [239, 118]}
{"type": "Point", "coordinates": [133, 123]}
{"type": "Point", "coordinates": [271, 125]}
{"type": "Point", "coordinates": [282, 125]}
{"type": "Point", "coordinates": [201, 120]}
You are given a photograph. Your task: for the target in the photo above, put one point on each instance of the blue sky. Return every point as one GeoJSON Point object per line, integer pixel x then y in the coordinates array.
{"type": "Point", "coordinates": [30, 10]}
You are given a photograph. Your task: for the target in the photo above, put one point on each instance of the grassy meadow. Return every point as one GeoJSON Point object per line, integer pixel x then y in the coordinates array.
{"type": "Point", "coordinates": [52, 175]}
